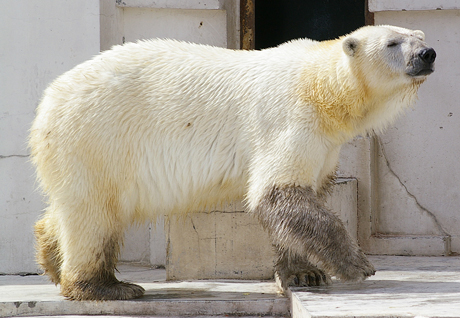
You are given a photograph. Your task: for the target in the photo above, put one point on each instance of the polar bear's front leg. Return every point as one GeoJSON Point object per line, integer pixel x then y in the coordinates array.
{"type": "Point", "coordinates": [303, 229]}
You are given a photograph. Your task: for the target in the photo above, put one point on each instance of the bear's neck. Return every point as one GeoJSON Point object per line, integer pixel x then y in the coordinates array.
{"type": "Point", "coordinates": [339, 104]}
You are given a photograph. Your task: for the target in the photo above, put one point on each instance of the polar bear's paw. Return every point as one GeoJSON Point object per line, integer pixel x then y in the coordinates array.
{"type": "Point", "coordinates": [112, 290]}
{"type": "Point", "coordinates": [358, 269]}
{"type": "Point", "coordinates": [305, 278]}
{"type": "Point", "coordinates": [308, 279]}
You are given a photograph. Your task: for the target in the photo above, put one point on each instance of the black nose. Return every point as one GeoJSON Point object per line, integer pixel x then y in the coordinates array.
{"type": "Point", "coordinates": [427, 55]}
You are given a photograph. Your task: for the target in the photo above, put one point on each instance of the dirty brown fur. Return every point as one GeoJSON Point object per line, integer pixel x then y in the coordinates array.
{"type": "Point", "coordinates": [327, 187]}
{"type": "Point", "coordinates": [48, 255]}
{"type": "Point", "coordinates": [102, 284]}
{"type": "Point", "coordinates": [307, 234]}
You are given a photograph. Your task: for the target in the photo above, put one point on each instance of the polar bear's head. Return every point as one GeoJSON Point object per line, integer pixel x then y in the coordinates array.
{"type": "Point", "coordinates": [389, 54]}
{"type": "Point", "coordinates": [372, 75]}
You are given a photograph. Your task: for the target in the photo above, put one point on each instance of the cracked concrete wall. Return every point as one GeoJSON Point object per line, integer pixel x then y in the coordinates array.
{"type": "Point", "coordinates": [417, 164]}
{"type": "Point", "coordinates": [400, 212]}
{"type": "Point", "coordinates": [408, 178]}
{"type": "Point", "coordinates": [40, 40]}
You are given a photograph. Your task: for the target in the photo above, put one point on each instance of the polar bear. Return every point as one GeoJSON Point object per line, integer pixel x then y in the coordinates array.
{"type": "Point", "coordinates": [162, 127]}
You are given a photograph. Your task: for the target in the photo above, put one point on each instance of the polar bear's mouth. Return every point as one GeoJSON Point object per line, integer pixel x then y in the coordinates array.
{"type": "Point", "coordinates": [422, 72]}
{"type": "Point", "coordinates": [419, 71]}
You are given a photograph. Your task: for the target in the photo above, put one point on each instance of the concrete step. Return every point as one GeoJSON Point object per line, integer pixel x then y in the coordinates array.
{"type": "Point", "coordinates": [104, 316]}
{"type": "Point", "coordinates": [36, 296]}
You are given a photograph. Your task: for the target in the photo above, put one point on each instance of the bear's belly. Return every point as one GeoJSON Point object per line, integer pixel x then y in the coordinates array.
{"type": "Point", "coordinates": [192, 184]}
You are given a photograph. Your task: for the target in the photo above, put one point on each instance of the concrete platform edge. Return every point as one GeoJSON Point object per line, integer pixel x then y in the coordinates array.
{"type": "Point", "coordinates": [272, 307]}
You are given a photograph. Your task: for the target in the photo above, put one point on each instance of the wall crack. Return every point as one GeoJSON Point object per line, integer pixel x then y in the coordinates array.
{"type": "Point", "coordinates": [13, 156]}
{"type": "Point", "coordinates": [421, 207]}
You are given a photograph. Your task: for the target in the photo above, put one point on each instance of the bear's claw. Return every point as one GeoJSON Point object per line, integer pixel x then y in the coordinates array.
{"type": "Point", "coordinates": [308, 278]}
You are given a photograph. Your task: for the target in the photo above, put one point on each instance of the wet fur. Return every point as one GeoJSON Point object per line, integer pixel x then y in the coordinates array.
{"type": "Point", "coordinates": [306, 234]}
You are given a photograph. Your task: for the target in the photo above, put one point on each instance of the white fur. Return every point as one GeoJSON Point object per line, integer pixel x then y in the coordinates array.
{"type": "Point", "coordinates": [161, 126]}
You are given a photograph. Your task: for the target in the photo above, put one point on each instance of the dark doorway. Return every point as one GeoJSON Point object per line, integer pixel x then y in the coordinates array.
{"type": "Point", "coordinates": [280, 21]}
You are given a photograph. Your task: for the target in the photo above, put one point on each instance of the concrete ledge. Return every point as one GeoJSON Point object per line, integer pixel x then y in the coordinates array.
{"type": "Point", "coordinates": [407, 245]}
{"type": "Point", "coordinates": [171, 4]}
{"type": "Point", "coordinates": [189, 301]}
{"type": "Point", "coordinates": [411, 5]}
{"type": "Point", "coordinates": [218, 245]}
{"type": "Point", "coordinates": [344, 201]}
{"type": "Point", "coordinates": [404, 286]}
{"type": "Point", "coordinates": [231, 244]}
{"type": "Point", "coordinates": [36, 296]}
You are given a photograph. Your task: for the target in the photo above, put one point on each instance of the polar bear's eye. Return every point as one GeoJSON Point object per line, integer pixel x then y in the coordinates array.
{"type": "Point", "coordinates": [392, 43]}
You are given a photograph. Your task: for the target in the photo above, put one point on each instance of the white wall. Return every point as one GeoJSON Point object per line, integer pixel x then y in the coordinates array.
{"type": "Point", "coordinates": [418, 161]}
{"type": "Point", "coordinates": [40, 40]}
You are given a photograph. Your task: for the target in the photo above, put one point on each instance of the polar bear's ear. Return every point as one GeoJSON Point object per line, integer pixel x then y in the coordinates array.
{"type": "Point", "coordinates": [350, 45]}
{"type": "Point", "coordinates": [419, 34]}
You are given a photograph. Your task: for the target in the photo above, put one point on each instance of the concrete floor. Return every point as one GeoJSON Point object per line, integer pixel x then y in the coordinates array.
{"type": "Point", "coordinates": [402, 287]}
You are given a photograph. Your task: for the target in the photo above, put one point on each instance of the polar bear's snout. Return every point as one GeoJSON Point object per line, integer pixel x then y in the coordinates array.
{"type": "Point", "coordinates": [423, 62]}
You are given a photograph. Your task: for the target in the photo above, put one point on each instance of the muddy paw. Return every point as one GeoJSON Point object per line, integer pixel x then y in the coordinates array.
{"type": "Point", "coordinates": [313, 277]}
{"type": "Point", "coordinates": [357, 270]}
{"type": "Point", "coordinates": [102, 291]}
